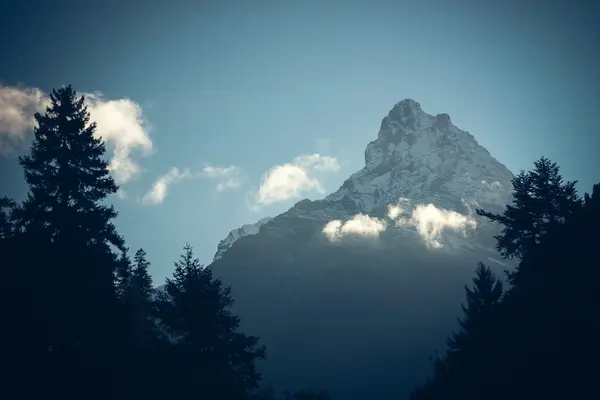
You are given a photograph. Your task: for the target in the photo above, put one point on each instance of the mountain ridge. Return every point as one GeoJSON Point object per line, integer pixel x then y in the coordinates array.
{"type": "Point", "coordinates": [416, 156]}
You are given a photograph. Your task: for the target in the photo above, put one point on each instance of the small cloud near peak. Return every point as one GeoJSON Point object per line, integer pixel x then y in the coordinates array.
{"type": "Point", "coordinates": [292, 180]}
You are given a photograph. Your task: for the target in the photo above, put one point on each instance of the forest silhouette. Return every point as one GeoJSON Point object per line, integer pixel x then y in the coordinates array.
{"type": "Point", "coordinates": [83, 319]}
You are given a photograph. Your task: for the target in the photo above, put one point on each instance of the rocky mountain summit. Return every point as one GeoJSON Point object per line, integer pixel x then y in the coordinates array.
{"type": "Point", "coordinates": [417, 159]}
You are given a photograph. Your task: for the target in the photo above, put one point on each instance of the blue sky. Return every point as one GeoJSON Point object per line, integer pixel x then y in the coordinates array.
{"type": "Point", "coordinates": [252, 85]}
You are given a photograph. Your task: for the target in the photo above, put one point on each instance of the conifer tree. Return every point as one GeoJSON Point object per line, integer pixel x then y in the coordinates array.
{"type": "Point", "coordinates": [123, 275]}
{"type": "Point", "coordinates": [71, 275]}
{"type": "Point", "coordinates": [541, 199]}
{"type": "Point", "coordinates": [591, 202]}
{"type": "Point", "coordinates": [481, 300]}
{"type": "Point", "coordinates": [67, 176]}
{"type": "Point", "coordinates": [459, 373]}
{"type": "Point", "coordinates": [142, 303]}
{"type": "Point", "coordinates": [194, 309]}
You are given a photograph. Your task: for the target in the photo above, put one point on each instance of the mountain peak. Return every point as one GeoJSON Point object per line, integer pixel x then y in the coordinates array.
{"type": "Point", "coordinates": [407, 104]}
{"type": "Point", "coordinates": [416, 156]}
{"type": "Point", "coordinates": [420, 156]}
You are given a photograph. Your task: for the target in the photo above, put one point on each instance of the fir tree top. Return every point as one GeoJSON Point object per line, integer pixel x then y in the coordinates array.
{"type": "Point", "coordinates": [67, 175]}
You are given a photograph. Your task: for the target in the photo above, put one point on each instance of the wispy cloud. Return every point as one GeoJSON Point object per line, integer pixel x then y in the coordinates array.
{"type": "Point", "coordinates": [292, 180]}
{"type": "Point", "coordinates": [358, 225]}
{"type": "Point", "coordinates": [159, 190]}
{"type": "Point", "coordinates": [120, 123]}
{"type": "Point", "coordinates": [226, 177]}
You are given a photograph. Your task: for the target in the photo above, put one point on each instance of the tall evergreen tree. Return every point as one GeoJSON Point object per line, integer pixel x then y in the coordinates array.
{"type": "Point", "coordinates": [194, 309]}
{"type": "Point", "coordinates": [458, 374]}
{"type": "Point", "coordinates": [70, 277]}
{"type": "Point", "coordinates": [67, 176]}
{"type": "Point", "coordinates": [123, 276]}
{"type": "Point", "coordinates": [591, 202]}
{"type": "Point", "coordinates": [142, 303]}
{"type": "Point", "coordinates": [482, 298]}
{"type": "Point", "coordinates": [541, 200]}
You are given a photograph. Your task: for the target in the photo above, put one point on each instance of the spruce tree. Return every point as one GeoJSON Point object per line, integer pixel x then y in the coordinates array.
{"type": "Point", "coordinates": [460, 373]}
{"type": "Point", "coordinates": [67, 175]}
{"type": "Point", "coordinates": [541, 200]}
{"type": "Point", "coordinates": [70, 277]}
{"type": "Point", "coordinates": [123, 275]}
{"type": "Point", "coordinates": [214, 359]}
{"type": "Point", "coordinates": [142, 303]}
{"type": "Point", "coordinates": [482, 298]}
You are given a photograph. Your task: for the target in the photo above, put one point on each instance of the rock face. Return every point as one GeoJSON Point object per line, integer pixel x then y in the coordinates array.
{"type": "Point", "coordinates": [354, 292]}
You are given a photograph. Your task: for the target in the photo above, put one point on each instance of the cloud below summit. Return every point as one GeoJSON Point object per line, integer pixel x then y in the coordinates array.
{"type": "Point", "coordinates": [358, 225]}
{"type": "Point", "coordinates": [428, 220]}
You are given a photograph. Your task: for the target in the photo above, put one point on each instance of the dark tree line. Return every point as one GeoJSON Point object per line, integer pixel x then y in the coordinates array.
{"type": "Point", "coordinates": [538, 339]}
{"type": "Point", "coordinates": [81, 318]}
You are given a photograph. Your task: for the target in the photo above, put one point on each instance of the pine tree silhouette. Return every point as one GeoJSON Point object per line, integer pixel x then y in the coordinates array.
{"type": "Point", "coordinates": [481, 301]}
{"type": "Point", "coordinates": [541, 200]}
{"type": "Point", "coordinates": [67, 176]}
{"type": "Point", "coordinates": [214, 359]}
{"type": "Point", "coordinates": [70, 322]}
{"type": "Point", "coordinates": [123, 276]}
{"type": "Point", "coordinates": [142, 304]}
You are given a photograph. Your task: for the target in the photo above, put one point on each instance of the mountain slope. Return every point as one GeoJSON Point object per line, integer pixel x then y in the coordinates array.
{"type": "Point", "coordinates": [353, 292]}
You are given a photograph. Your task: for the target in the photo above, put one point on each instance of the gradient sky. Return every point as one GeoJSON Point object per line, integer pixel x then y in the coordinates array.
{"type": "Point", "coordinates": [256, 84]}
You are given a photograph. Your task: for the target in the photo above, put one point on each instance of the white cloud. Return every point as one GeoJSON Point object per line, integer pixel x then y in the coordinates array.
{"type": "Point", "coordinates": [17, 106]}
{"type": "Point", "coordinates": [226, 177]}
{"type": "Point", "coordinates": [430, 221]}
{"type": "Point", "coordinates": [119, 122]}
{"type": "Point", "coordinates": [292, 180]}
{"type": "Point", "coordinates": [358, 225]}
{"type": "Point", "coordinates": [157, 194]}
